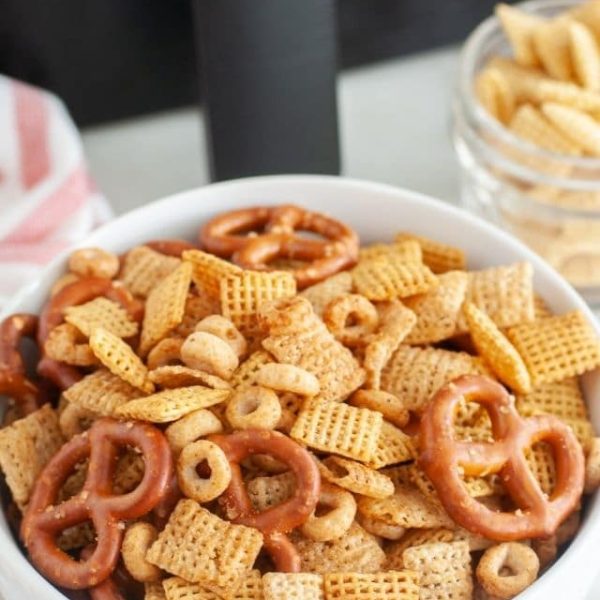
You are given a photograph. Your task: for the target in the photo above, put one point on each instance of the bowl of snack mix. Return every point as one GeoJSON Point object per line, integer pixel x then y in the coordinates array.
{"type": "Point", "coordinates": [299, 387]}
{"type": "Point", "coordinates": [527, 133]}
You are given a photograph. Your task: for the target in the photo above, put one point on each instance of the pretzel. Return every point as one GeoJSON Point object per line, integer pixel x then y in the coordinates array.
{"type": "Point", "coordinates": [253, 237]}
{"type": "Point", "coordinates": [278, 520]}
{"type": "Point", "coordinates": [444, 460]}
{"type": "Point", "coordinates": [79, 292]}
{"type": "Point", "coordinates": [44, 519]}
{"type": "Point", "coordinates": [13, 379]}
{"type": "Point", "coordinates": [170, 247]}
{"type": "Point", "coordinates": [108, 589]}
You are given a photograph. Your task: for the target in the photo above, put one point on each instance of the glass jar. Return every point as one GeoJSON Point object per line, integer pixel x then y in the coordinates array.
{"type": "Point", "coordinates": [550, 201]}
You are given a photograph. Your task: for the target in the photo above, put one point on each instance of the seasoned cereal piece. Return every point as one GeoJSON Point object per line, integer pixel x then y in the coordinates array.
{"type": "Point", "coordinates": [439, 257]}
{"type": "Point", "coordinates": [65, 343]}
{"type": "Point", "coordinates": [176, 376]}
{"type": "Point", "coordinates": [209, 270]}
{"type": "Point", "coordinates": [120, 359]}
{"type": "Point", "coordinates": [444, 570]}
{"type": "Point", "coordinates": [176, 588]}
{"type": "Point", "coordinates": [356, 551]}
{"type": "Point", "coordinates": [292, 586]}
{"type": "Point", "coordinates": [94, 262]}
{"type": "Point", "coordinates": [247, 373]}
{"type": "Point", "coordinates": [393, 446]}
{"type": "Point", "coordinates": [265, 492]}
{"type": "Point", "coordinates": [437, 311]}
{"type": "Point", "coordinates": [574, 124]}
{"type": "Point", "coordinates": [557, 347]}
{"type": "Point", "coordinates": [585, 56]}
{"type": "Point", "coordinates": [391, 585]}
{"type": "Point", "coordinates": [101, 392]}
{"type": "Point", "coordinates": [197, 307]}
{"type": "Point", "coordinates": [495, 94]}
{"type": "Point", "coordinates": [519, 26]}
{"type": "Point", "coordinates": [170, 405]}
{"type": "Point", "coordinates": [321, 294]}
{"type": "Point", "coordinates": [356, 477]}
{"type": "Point", "coordinates": [199, 547]}
{"type": "Point", "coordinates": [104, 313]}
{"type": "Point", "coordinates": [560, 398]}
{"type": "Point", "coordinates": [144, 268]}
{"type": "Point", "coordinates": [154, 591]}
{"type": "Point", "coordinates": [540, 460]}
{"type": "Point", "coordinates": [165, 307]}
{"type": "Point", "coordinates": [402, 250]}
{"type": "Point", "coordinates": [390, 406]}
{"type": "Point", "coordinates": [339, 429]}
{"type": "Point", "coordinates": [25, 447]}
{"type": "Point", "coordinates": [415, 537]}
{"type": "Point", "coordinates": [250, 588]}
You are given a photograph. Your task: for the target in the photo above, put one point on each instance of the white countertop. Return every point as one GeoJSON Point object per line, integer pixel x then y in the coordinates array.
{"type": "Point", "coordinates": [394, 121]}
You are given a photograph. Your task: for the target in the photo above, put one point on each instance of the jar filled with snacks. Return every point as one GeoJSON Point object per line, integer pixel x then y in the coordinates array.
{"type": "Point", "coordinates": [527, 131]}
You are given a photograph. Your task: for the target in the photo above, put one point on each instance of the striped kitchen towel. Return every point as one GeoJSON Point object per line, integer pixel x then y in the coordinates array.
{"type": "Point", "coordinates": [47, 199]}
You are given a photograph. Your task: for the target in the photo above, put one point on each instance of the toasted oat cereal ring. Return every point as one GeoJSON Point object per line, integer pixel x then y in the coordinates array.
{"type": "Point", "coordinates": [288, 378]}
{"type": "Point", "coordinates": [389, 405]}
{"type": "Point", "coordinates": [334, 523]}
{"type": "Point", "coordinates": [170, 247]}
{"type": "Point", "coordinates": [166, 352]}
{"type": "Point", "coordinates": [137, 540]}
{"type": "Point", "coordinates": [13, 379]}
{"type": "Point", "coordinates": [66, 344]}
{"type": "Point", "coordinates": [223, 328]}
{"type": "Point", "coordinates": [79, 292]}
{"type": "Point", "coordinates": [351, 318]}
{"type": "Point", "coordinates": [74, 420]}
{"type": "Point", "coordinates": [207, 352]}
{"type": "Point", "coordinates": [592, 467]}
{"type": "Point", "coordinates": [94, 262]}
{"type": "Point", "coordinates": [254, 237]}
{"type": "Point", "coordinates": [254, 407]}
{"type": "Point", "coordinates": [519, 559]}
{"type": "Point", "coordinates": [381, 528]}
{"type": "Point", "coordinates": [192, 427]}
{"type": "Point", "coordinates": [196, 487]}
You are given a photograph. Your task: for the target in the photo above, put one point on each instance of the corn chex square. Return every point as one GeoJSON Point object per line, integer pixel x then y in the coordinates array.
{"type": "Point", "coordinates": [175, 376]}
{"type": "Point", "coordinates": [144, 269]}
{"type": "Point", "coordinates": [504, 293]}
{"type": "Point", "coordinates": [540, 460]}
{"type": "Point", "coordinates": [383, 278]}
{"type": "Point", "coordinates": [444, 570]}
{"type": "Point", "coordinates": [415, 374]}
{"type": "Point", "coordinates": [415, 537]}
{"type": "Point", "coordinates": [170, 405]}
{"type": "Point", "coordinates": [293, 586]}
{"type": "Point", "coordinates": [165, 307]}
{"type": "Point", "coordinates": [268, 491]}
{"type": "Point", "coordinates": [208, 271]}
{"type": "Point", "coordinates": [104, 313]}
{"type": "Point", "coordinates": [101, 392]}
{"type": "Point", "coordinates": [439, 257]}
{"type": "Point", "coordinates": [197, 307]}
{"type": "Point", "coordinates": [176, 588]}
{"type": "Point", "coordinates": [557, 347]}
{"type": "Point", "coordinates": [250, 588]}
{"type": "Point", "coordinates": [356, 551]}
{"type": "Point", "coordinates": [154, 591]}
{"type": "Point", "coordinates": [393, 446]}
{"type": "Point", "coordinates": [120, 359]}
{"type": "Point", "coordinates": [338, 428]}
{"type": "Point", "coordinates": [396, 585]}
{"type": "Point", "coordinates": [26, 446]}
{"type": "Point", "coordinates": [243, 294]}
{"type": "Point", "coordinates": [199, 547]}
{"type": "Point", "coordinates": [437, 311]}
{"type": "Point", "coordinates": [561, 398]}
{"type": "Point", "coordinates": [321, 294]}
{"type": "Point", "coordinates": [356, 477]}
{"type": "Point", "coordinates": [401, 250]}
{"type": "Point", "coordinates": [245, 375]}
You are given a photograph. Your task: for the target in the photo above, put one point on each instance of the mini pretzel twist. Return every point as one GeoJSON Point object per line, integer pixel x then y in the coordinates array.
{"type": "Point", "coordinates": [172, 247]}
{"type": "Point", "coordinates": [79, 292]}
{"type": "Point", "coordinates": [444, 459]}
{"type": "Point", "coordinates": [13, 379]}
{"type": "Point", "coordinates": [254, 237]}
{"type": "Point", "coordinates": [278, 520]}
{"type": "Point", "coordinates": [44, 518]}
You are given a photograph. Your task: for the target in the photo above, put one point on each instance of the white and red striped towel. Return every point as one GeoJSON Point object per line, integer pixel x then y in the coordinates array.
{"type": "Point", "coordinates": [47, 200]}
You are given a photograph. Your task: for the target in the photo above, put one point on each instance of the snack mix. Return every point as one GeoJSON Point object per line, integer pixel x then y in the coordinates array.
{"type": "Point", "coordinates": [273, 415]}
{"type": "Point", "coordinates": [546, 92]}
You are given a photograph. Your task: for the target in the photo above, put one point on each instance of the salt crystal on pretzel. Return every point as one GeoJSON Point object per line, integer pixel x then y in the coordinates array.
{"type": "Point", "coordinates": [176, 376]}
{"type": "Point", "coordinates": [383, 278]}
{"type": "Point", "coordinates": [165, 307]}
{"type": "Point", "coordinates": [437, 311]}
{"type": "Point", "coordinates": [25, 447]}
{"type": "Point", "coordinates": [144, 268]}
{"type": "Point", "coordinates": [101, 392]}
{"type": "Point", "coordinates": [393, 446]}
{"type": "Point", "coordinates": [321, 294]}
{"type": "Point", "coordinates": [199, 547]}
{"type": "Point", "coordinates": [356, 551]}
{"type": "Point", "coordinates": [504, 293]}
{"type": "Point", "coordinates": [339, 429]}
{"type": "Point", "coordinates": [442, 566]}
{"type": "Point", "coordinates": [120, 359]}
{"type": "Point", "coordinates": [209, 270]}
{"type": "Point", "coordinates": [415, 374]}
{"type": "Point", "coordinates": [557, 347]}
{"type": "Point", "coordinates": [101, 312]}
{"type": "Point", "coordinates": [292, 586]}
{"type": "Point", "coordinates": [497, 351]}
{"type": "Point", "coordinates": [170, 405]}
{"type": "Point", "coordinates": [439, 257]}
{"type": "Point", "coordinates": [316, 350]}
{"type": "Point", "coordinates": [399, 585]}
{"type": "Point", "coordinates": [407, 507]}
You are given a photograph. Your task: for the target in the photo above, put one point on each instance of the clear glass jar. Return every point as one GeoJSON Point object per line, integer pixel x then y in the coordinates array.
{"type": "Point", "coordinates": [550, 201]}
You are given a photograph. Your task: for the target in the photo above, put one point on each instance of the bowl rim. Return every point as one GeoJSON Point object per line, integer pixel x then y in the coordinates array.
{"type": "Point", "coordinates": [16, 567]}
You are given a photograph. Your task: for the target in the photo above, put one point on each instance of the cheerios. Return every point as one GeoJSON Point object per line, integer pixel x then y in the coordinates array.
{"type": "Point", "coordinates": [192, 427]}
{"type": "Point", "coordinates": [253, 407]}
{"type": "Point", "coordinates": [288, 378]}
{"type": "Point", "coordinates": [223, 328]}
{"type": "Point", "coordinates": [207, 352]}
{"type": "Point", "coordinates": [166, 352]}
{"type": "Point", "coordinates": [351, 318]}
{"type": "Point", "coordinates": [137, 540]}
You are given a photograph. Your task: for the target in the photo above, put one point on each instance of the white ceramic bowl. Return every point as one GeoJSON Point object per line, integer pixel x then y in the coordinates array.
{"type": "Point", "coordinates": [377, 212]}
